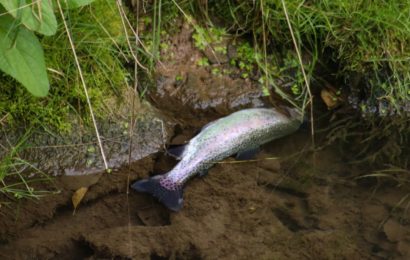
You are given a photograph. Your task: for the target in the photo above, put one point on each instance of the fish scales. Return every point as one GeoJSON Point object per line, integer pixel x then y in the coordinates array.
{"type": "Point", "coordinates": [238, 132]}
{"type": "Point", "coordinates": [235, 133]}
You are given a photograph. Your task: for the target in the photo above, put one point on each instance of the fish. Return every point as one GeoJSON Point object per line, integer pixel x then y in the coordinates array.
{"type": "Point", "coordinates": [241, 133]}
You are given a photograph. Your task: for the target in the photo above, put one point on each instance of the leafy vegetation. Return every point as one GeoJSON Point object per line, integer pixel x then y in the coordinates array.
{"type": "Point", "coordinates": [29, 70]}
{"type": "Point", "coordinates": [203, 38]}
{"type": "Point", "coordinates": [21, 55]}
{"type": "Point", "coordinates": [100, 43]}
{"type": "Point", "coordinates": [98, 33]}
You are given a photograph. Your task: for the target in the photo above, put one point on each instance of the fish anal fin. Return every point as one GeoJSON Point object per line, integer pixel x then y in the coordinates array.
{"type": "Point", "coordinates": [247, 154]}
{"type": "Point", "coordinates": [203, 172]}
{"type": "Point", "coordinates": [176, 151]}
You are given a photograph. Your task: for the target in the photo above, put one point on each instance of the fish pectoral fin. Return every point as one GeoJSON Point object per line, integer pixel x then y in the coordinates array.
{"type": "Point", "coordinates": [203, 173]}
{"type": "Point", "coordinates": [247, 154]}
{"type": "Point", "coordinates": [176, 151]}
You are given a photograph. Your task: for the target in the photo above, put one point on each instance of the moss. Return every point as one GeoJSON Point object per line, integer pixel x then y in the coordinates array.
{"type": "Point", "coordinates": [203, 37]}
{"type": "Point", "coordinates": [203, 62]}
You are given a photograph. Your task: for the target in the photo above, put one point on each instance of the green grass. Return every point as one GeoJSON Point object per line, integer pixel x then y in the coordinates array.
{"type": "Point", "coordinates": [14, 182]}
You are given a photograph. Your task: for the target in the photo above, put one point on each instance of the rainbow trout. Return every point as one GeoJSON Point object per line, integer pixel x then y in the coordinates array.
{"type": "Point", "coordinates": [237, 133]}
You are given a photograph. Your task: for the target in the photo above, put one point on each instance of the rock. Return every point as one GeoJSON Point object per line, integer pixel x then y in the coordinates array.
{"type": "Point", "coordinates": [78, 153]}
{"type": "Point", "coordinates": [404, 248]}
{"type": "Point", "coordinates": [394, 231]}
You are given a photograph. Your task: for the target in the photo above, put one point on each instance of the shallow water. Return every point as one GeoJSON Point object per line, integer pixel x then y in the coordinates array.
{"type": "Point", "coordinates": [303, 205]}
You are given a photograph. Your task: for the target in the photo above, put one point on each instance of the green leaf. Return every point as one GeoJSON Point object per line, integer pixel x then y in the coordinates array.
{"type": "Point", "coordinates": [37, 16]}
{"type": "Point", "coordinates": [22, 57]}
{"type": "Point", "coordinates": [77, 3]}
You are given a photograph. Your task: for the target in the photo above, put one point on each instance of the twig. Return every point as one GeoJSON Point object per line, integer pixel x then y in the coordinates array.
{"type": "Point", "coordinates": [83, 83]}
{"type": "Point", "coordinates": [248, 161]}
{"type": "Point", "coordinates": [132, 116]}
{"type": "Point", "coordinates": [3, 118]}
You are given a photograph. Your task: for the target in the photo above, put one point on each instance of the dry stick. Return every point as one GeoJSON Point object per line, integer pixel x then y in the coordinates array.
{"type": "Point", "coordinates": [4, 118]}
{"type": "Point", "coordinates": [248, 161]}
{"type": "Point", "coordinates": [132, 119]}
{"type": "Point", "coordinates": [83, 83]}
{"type": "Point", "coordinates": [312, 129]}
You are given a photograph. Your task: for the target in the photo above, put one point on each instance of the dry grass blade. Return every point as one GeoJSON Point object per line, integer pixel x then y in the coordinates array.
{"type": "Point", "coordinates": [21, 7]}
{"type": "Point", "coordinates": [124, 19]}
{"type": "Point", "coordinates": [109, 36]}
{"type": "Point", "coordinates": [248, 161]}
{"type": "Point", "coordinates": [312, 128]}
{"type": "Point", "coordinates": [83, 84]}
{"type": "Point", "coordinates": [4, 118]}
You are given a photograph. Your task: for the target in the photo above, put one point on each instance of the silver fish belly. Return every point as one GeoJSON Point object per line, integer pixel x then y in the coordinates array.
{"type": "Point", "coordinates": [240, 131]}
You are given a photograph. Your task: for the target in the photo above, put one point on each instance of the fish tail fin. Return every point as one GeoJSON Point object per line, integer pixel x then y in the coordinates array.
{"type": "Point", "coordinates": [169, 194]}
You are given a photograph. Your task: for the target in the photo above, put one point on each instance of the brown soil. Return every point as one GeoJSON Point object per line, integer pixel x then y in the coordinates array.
{"type": "Point", "coordinates": [299, 207]}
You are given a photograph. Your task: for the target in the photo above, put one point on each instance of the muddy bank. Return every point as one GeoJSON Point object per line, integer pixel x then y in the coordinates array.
{"type": "Point", "coordinates": [196, 93]}
{"type": "Point", "coordinates": [298, 207]}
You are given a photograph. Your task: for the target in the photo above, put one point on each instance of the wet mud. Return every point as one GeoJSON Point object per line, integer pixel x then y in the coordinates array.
{"type": "Point", "coordinates": [289, 203]}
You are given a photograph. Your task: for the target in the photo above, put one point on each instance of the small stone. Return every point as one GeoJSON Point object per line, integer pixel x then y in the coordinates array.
{"type": "Point", "coordinates": [393, 230]}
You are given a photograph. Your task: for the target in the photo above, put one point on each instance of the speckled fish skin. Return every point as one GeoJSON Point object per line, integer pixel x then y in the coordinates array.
{"type": "Point", "coordinates": [243, 130]}
{"type": "Point", "coordinates": [240, 131]}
